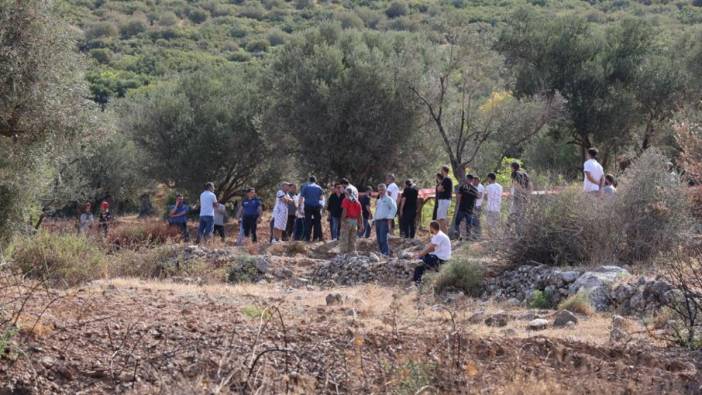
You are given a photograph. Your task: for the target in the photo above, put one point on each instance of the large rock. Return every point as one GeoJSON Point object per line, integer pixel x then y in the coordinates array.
{"type": "Point", "coordinates": [498, 319]}
{"type": "Point", "coordinates": [537, 324]}
{"type": "Point", "coordinates": [563, 317]}
{"type": "Point", "coordinates": [334, 299]}
{"type": "Point", "coordinates": [597, 284]}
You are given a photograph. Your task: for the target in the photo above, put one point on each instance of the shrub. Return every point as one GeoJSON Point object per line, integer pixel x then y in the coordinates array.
{"type": "Point", "coordinates": [244, 270]}
{"type": "Point", "coordinates": [197, 16]}
{"type": "Point", "coordinates": [149, 263]}
{"type": "Point", "coordinates": [168, 19]}
{"type": "Point", "coordinates": [276, 37]}
{"type": "Point", "coordinates": [683, 270]}
{"type": "Point", "coordinates": [141, 234]}
{"type": "Point", "coordinates": [101, 55]}
{"type": "Point", "coordinates": [64, 259]}
{"type": "Point", "coordinates": [649, 214]}
{"type": "Point", "coordinates": [100, 30]}
{"type": "Point", "coordinates": [538, 300]}
{"type": "Point", "coordinates": [133, 27]}
{"type": "Point", "coordinates": [577, 303]}
{"type": "Point", "coordinates": [462, 274]}
{"type": "Point", "coordinates": [257, 45]}
{"type": "Point", "coordinates": [396, 9]}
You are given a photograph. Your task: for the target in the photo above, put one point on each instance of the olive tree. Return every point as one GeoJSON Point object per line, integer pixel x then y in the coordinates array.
{"type": "Point", "coordinates": [202, 127]}
{"type": "Point", "coordinates": [339, 103]}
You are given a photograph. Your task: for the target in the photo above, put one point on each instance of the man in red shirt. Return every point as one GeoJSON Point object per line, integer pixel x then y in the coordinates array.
{"type": "Point", "coordinates": [351, 220]}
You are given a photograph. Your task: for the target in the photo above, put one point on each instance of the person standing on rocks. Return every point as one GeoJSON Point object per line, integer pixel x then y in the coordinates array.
{"type": "Point", "coordinates": [408, 210]}
{"type": "Point", "coordinates": [444, 191]}
{"type": "Point", "coordinates": [466, 198]}
{"type": "Point", "coordinates": [334, 209]}
{"type": "Point", "coordinates": [594, 173]}
{"type": "Point", "coordinates": [477, 211]}
{"type": "Point", "coordinates": [311, 198]}
{"type": "Point", "coordinates": [493, 193]}
{"type": "Point", "coordinates": [521, 188]}
{"type": "Point", "coordinates": [351, 220]}
{"type": "Point", "coordinates": [365, 200]}
{"type": "Point", "coordinates": [394, 193]}
{"type": "Point", "coordinates": [178, 216]}
{"type": "Point", "coordinates": [385, 211]}
{"type": "Point", "coordinates": [280, 212]}
{"type": "Point", "coordinates": [208, 203]}
{"type": "Point", "coordinates": [250, 211]}
{"type": "Point", "coordinates": [292, 208]}
{"type": "Point", "coordinates": [435, 254]}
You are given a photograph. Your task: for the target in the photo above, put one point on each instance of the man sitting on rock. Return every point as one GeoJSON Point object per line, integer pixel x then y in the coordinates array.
{"type": "Point", "coordinates": [435, 254]}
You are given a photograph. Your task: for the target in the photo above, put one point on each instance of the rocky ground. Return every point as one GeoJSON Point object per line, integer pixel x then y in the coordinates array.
{"type": "Point", "coordinates": [316, 322]}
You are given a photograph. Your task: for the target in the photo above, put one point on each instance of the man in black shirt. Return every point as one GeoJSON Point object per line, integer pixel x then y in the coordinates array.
{"type": "Point", "coordinates": [444, 190]}
{"type": "Point", "coordinates": [408, 210]}
{"type": "Point", "coordinates": [365, 200]}
{"type": "Point", "coordinates": [334, 208]}
{"type": "Point", "coordinates": [467, 195]}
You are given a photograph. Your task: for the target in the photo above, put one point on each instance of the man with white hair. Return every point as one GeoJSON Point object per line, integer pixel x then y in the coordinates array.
{"type": "Point", "coordinates": [385, 211]}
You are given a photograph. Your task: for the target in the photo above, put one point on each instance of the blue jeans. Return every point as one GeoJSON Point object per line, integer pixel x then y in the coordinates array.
{"type": "Point", "coordinates": [335, 225]}
{"type": "Point", "coordinates": [206, 227]}
{"type": "Point", "coordinates": [464, 215]}
{"type": "Point", "coordinates": [382, 229]}
{"type": "Point", "coordinates": [366, 229]}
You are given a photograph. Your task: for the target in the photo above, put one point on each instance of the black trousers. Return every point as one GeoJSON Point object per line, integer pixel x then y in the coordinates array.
{"type": "Point", "coordinates": [219, 230]}
{"type": "Point", "coordinates": [313, 221]}
{"type": "Point", "coordinates": [250, 226]}
{"type": "Point", "coordinates": [429, 261]}
{"type": "Point", "coordinates": [408, 228]}
{"type": "Point", "coordinates": [289, 228]}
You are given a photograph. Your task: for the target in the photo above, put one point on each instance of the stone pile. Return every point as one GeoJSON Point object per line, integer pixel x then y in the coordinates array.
{"type": "Point", "coordinates": [607, 287]}
{"type": "Point", "coordinates": [349, 269]}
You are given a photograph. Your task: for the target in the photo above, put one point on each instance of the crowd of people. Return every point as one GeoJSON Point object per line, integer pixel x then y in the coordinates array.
{"type": "Point", "coordinates": [298, 213]}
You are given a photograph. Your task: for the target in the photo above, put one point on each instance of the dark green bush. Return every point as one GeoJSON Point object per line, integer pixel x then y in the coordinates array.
{"type": "Point", "coordinates": [462, 274]}
{"type": "Point", "coordinates": [397, 9]}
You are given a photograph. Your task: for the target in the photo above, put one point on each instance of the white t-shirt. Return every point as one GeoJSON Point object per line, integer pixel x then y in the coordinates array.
{"type": "Point", "coordinates": [481, 191]}
{"type": "Point", "coordinates": [207, 201]}
{"type": "Point", "coordinates": [443, 246]}
{"type": "Point", "coordinates": [494, 197]}
{"type": "Point", "coordinates": [393, 191]}
{"type": "Point", "coordinates": [596, 171]}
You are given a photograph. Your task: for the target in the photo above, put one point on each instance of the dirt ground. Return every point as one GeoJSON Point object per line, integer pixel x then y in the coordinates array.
{"type": "Point", "coordinates": [133, 336]}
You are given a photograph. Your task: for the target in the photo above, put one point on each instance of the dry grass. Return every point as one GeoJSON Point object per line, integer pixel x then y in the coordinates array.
{"type": "Point", "coordinates": [577, 303]}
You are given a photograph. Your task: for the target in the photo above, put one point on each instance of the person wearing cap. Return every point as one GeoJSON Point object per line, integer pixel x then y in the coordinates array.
{"type": "Point", "coordinates": [208, 203]}
{"type": "Point", "coordinates": [104, 218]}
{"type": "Point", "coordinates": [178, 216]}
{"type": "Point", "coordinates": [280, 212]}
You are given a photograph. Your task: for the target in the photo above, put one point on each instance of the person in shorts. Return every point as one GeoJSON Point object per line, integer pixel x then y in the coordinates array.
{"type": "Point", "coordinates": [444, 191]}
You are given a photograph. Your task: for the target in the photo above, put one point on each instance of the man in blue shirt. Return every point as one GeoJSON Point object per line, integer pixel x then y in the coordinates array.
{"type": "Point", "coordinates": [250, 213]}
{"type": "Point", "coordinates": [385, 210]}
{"type": "Point", "coordinates": [311, 197]}
{"type": "Point", "coordinates": [178, 216]}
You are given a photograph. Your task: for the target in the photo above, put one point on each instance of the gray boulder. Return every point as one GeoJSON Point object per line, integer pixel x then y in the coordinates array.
{"type": "Point", "coordinates": [498, 319]}
{"type": "Point", "coordinates": [569, 277]}
{"type": "Point", "coordinates": [334, 299]}
{"type": "Point", "coordinates": [563, 317]}
{"type": "Point", "coordinates": [537, 324]}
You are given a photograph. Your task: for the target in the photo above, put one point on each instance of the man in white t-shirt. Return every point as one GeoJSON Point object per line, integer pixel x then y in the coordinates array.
{"type": "Point", "coordinates": [594, 173]}
{"type": "Point", "coordinates": [493, 206]}
{"type": "Point", "coordinates": [208, 203]}
{"type": "Point", "coordinates": [435, 254]}
{"type": "Point", "coordinates": [394, 192]}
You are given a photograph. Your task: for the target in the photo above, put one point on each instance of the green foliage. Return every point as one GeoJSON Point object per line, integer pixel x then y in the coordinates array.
{"type": "Point", "coordinates": [649, 214]}
{"type": "Point", "coordinates": [256, 313]}
{"type": "Point", "coordinates": [332, 88]}
{"type": "Point", "coordinates": [460, 273]}
{"type": "Point", "coordinates": [5, 339]}
{"type": "Point", "coordinates": [244, 270]}
{"type": "Point", "coordinates": [538, 300]}
{"type": "Point", "coordinates": [58, 259]}
{"type": "Point", "coordinates": [201, 127]}
{"type": "Point", "coordinates": [397, 9]}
